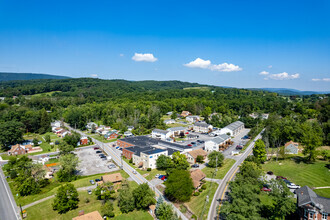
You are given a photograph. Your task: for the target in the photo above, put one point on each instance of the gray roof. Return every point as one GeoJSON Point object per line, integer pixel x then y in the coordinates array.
{"type": "Point", "coordinates": [220, 139]}
{"type": "Point", "coordinates": [235, 125]}
{"type": "Point", "coordinates": [176, 129]}
{"type": "Point", "coordinates": [307, 196]}
{"type": "Point", "coordinates": [201, 124]}
{"type": "Point", "coordinates": [154, 151]}
{"type": "Point", "coordinates": [137, 149]}
{"type": "Point", "coordinates": [156, 130]}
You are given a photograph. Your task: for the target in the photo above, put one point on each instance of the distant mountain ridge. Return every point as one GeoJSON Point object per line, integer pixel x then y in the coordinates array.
{"type": "Point", "coordinates": [285, 91]}
{"type": "Point", "coordinates": [8, 76]}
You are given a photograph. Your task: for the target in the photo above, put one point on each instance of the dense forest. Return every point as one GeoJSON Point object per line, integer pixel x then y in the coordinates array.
{"type": "Point", "coordinates": [121, 103]}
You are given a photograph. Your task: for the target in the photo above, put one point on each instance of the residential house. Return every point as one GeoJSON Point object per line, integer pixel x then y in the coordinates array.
{"type": "Point", "coordinates": [57, 130]}
{"type": "Point", "coordinates": [213, 144]}
{"type": "Point", "coordinates": [56, 124]}
{"type": "Point", "coordinates": [62, 133]}
{"type": "Point", "coordinates": [185, 113]}
{"type": "Point", "coordinates": [177, 131]}
{"type": "Point", "coordinates": [111, 135]}
{"type": "Point", "coordinates": [90, 125]}
{"type": "Point", "coordinates": [192, 155]}
{"type": "Point", "coordinates": [197, 176]}
{"type": "Point", "coordinates": [84, 141]}
{"type": "Point", "coordinates": [89, 216]}
{"type": "Point", "coordinates": [114, 178]}
{"type": "Point", "coordinates": [160, 134]}
{"type": "Point", "coordinates": [19, 149]}
{"type": "Point", "coordinates": [312, 206]}
{"type": "Point", "coordinates": [169, 113]}
{"type": "Point", "coordinates": [169, 121]}
{"type": "Point", "coordinates": [232, 129]}
{"type": "Point", "coordinates": [128, 134]}
{"type": "Point", "coordinates": [192, 118]}
{"type": "Point", "coordinates": [130, 128]}
{"type": "Point", "coordinates": [128, 152]}
{"type": "Point", "coordinates": [265, 116]}
{"type": "Point", "coordinates": [291, 147]}
{"type": "Point", "coordinates": [192, 136]}
{"type": "Point", "coordinates": [149, 157]}
{"type": "Point", "coordinates": [202, 127]}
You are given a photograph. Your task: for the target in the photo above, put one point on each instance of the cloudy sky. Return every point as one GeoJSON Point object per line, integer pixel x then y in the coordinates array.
{"type": "Point", "coordinates": [239, 43]}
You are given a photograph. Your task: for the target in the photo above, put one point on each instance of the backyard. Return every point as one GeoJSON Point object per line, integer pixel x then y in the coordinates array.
{"type": "Point", "coordinates": [227, 164]}
{"type": "Point", "coordinates": [311, 174]}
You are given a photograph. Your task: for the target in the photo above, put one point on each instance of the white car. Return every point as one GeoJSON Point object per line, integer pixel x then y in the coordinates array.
{"type": "Point", "coordinates": [293, 186]}
{"type": "Point", "coordinates": [157, 175]}
{"type": "Point", "coordinates": [134, 171]}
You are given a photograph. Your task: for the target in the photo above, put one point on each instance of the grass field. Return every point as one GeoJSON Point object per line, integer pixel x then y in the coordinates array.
{"type": "Point", "coordinates": [205, 88]}
{"type": "Point", "coordinates": [151, 174]}
{"type": "Point", "coordinates": [196, 204]}
{"type": "Point", "coordinates": [101, 138]}
{"type": "Point", "coordinates": [45, 94]}
{"type": "Point", "coordinates": [228, 163]}
{"type": "Point", "coordinates": [45, 211]}
{"type": "Point", "coordinates": [313, 175]}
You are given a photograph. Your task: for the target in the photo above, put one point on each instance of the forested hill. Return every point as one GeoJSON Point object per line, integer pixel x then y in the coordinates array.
{"type": "Point", "coordinates": [87, 87]}
{"type": "Point", "coordinates": [5, 76]}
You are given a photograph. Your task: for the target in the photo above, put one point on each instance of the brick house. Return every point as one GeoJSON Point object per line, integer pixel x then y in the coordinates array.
{"type": "Point", "coordinates": [312, 206]}
{"type": "Point", "coordinates": [192, 155]}
{"type": "Point", "coordinates": [111, 135]}
{"type": "Point", "coordinates": [18, 149]}
{"type": "Point", "coordinates": [84, 141]}
{"type": "Point", "coordinates": [123, 144]}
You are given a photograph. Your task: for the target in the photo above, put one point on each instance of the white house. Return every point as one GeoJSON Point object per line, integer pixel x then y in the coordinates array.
{"type": "Point", "coordinates": [192, 118]}
{"type": "Point", "coordinates": [176, 131]}
{"type": "Point", "coordinates": [56, 124]}
{"type": "Point", "coordinates": [130, 128]}
{"type": "Point", "coordinates": [213, 145]}
{"type": "Point", "coordinates": [160, 134]}
{"type": "Point", "coordinates": [90, 125]}
{"type": "Point", "coordinates": [202, 127]}
{"type": "Point", "coordinates": [169, 121]}
{"type": "Point", "coordinates": [233, 129]}
{"type": "Point", "coordinates": [149, 157]}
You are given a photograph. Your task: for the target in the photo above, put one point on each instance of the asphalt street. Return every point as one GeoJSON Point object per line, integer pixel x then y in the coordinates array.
{"type": "Point", "coordinates": [8, 207]}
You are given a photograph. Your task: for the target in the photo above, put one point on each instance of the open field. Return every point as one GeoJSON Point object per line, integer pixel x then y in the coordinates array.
{"type": "Point", "coordinates": [45, 94]}
{"type": "Point", "coordinates": [228, 163]}
{"type": "Point", "coordinates": [313, 174]}
{"type": "Point", "coordinates": [202, 88]}
{"type": "Point", "coordinates": [196, 204]}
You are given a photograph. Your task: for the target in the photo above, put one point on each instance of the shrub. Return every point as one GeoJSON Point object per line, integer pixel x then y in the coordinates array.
{"type": "Point", "coordinates": [87, 200]}
{"type": "Point", "coordinates": [112, 191]}
{"type": "Point", "coordinates": [203, 181]}
{"type": "Point", "coordinates": [196, 194]}
{"type": "Point", "coordinates": [131, 160]}
{"type": "Point", "coordinates": [204, 186]}
{"type": "Point", "coordinates": [148, 169]}
{"type": "Point", "coordinates": [194, 217]}
{"type": "Point", "coordinates": [200, 190]}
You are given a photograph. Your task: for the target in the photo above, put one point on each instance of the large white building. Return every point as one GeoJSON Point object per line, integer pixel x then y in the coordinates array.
{"type": "Point", "coordinates": [176, 131]}
{"type": "Point", "coordinates": [202, 127]}
{"type": "Point", "coordinates": [233, 129]}
{"type": "Point", "coordinates": [160, 134]}
{"type": "Point", "coordinates": [149, 157]}
{"type": "Point", "coordinates": [213, 145]}
{"type": "Point", "coordinates": [192, 118]}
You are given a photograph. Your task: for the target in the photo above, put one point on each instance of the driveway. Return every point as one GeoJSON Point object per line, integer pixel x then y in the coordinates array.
{"type": "Point", "coordinates": [237, 140]}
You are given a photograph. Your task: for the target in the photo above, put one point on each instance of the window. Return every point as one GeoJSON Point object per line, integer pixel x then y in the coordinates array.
{"type": "Point", "coordinates": [311, 216]}
{"type": "Point", "coordinates": [324, 216]}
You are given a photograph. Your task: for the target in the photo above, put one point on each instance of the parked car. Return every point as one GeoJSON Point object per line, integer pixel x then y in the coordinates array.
{"type": "Point", "coordinates": [163, 178]}
{"type": "Point", "coordinates": [280, 177]}
{"type": "Point", "coordinates": [101, 155]}
{"type": "Point", "coordinates": [92, 182]}
{"type": "Point", "coordinates": [195, 165]}
{"type": "Point", "coordinates": [193, 143]}
{"type": "Point", "coordinates": [293, 186]}
{"type": "Point", "coordinates": [157, 175]}
{"type": "Point", "coordinates": [160, 176]}
{"type": "Point", "coordinates": [134, 171]}
{"type": "Point", "coordinates": [89, 191]}
{"type": "Point", "coordinates": [98, 151]}
{"type": "Point", "coordinates": [239, 147]}
{"type": "Point", "coordinates": [96, 148]}
{"type": "Point", "coordinates": [265, 189]}
{"type": "Point", "coordinates": [189, 145]}
{"type": "Point", "coordinates": [111, 166]}
{"type": "Point", "coordinates": [117, 147]}
{"type": "Point", "coordinates": [270, 173]}
{"type": "Point", "coordinates": [97, 180]}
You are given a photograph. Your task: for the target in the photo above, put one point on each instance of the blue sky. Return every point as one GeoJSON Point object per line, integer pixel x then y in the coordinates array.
{"type": "Point", "coordinates": [225, 43]}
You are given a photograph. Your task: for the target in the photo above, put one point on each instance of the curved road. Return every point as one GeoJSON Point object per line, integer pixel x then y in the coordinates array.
{"type": "Point", "coordinates": [219, 194]}
{"type": "Point", "coordinates": [127, 168]}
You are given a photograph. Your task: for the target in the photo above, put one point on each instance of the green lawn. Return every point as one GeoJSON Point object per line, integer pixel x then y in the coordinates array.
{"type": "Point", "coordinates": [101, 138]}
{"type": "Point", "coordinates": [45, 211]}
{"type": "Point", "coordinates": [151, 174]}
{"type": "Point", "coordinates": [53, 186]}
{"type": "Point", "coordinates": [196, 203]}
{"type": "Point", "coordinates": [312, 175]}
{"type": "Point", "coordinates": [323, 192]}
{"type": "Point", "coordinates": [228, 163]}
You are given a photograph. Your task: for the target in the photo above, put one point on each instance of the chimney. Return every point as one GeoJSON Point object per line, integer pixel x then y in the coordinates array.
{"type": "Point", "coordinates": [301, 193]}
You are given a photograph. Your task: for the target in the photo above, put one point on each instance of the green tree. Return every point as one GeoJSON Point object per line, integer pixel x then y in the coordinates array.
{"type": "Point", "coordinates": [165, 212]}
{"type": "Point", "coordinates": [126, 200]}
{"type": "Point", "coordinates": [200, 159]}
{"type": "Point", "coordinates": [174, 116]}
{"type": "Point", "coordinates": [73, 139]}
{"type": "Point", "coordinates": [179, 186]}
{"type": "Point", "coordinates": [143, 196]}
{"type": "Point", "coordinates": [164, 162]}
{"type": "Point", "coordinates": [65, 148]}
{"type": "Point", "coordinates": [47, 138]}
{"type": "Point", "coordinates": [66, 199]}
{"type": "Point", "coordinates": [180, 161]}
{"type": "Point", "coordinates": [259, 150]}
{"type": "Point", "coordinates": [44, 122]}
{"type": "Point", "coordinates": [215, 159]}
{"type": "Point", "coordinates": [107, 209]}
{"type": "Point", "coordinates": [311, 139]}
{"type": "Point", "coordinates": [11, 132]}
{"type": "Point", "coordinates": [68, 163]}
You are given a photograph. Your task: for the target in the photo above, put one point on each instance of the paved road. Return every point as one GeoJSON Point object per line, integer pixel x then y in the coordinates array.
{"type": "Point", "coordinates": [8, 207]}
{"type": "Point", "coordinates": [137, 177]}
{"type": "Point", "coordinates": [219, 194]}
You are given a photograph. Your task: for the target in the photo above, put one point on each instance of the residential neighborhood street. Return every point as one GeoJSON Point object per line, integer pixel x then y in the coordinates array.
{"type": "Point", "coordinates": [8, 207]}
{"type": "Point", "coordinates": [219, 194]}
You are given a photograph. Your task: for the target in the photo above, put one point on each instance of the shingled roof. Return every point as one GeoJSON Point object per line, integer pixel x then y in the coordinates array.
{"type": "Point", "coordinates": [307, 196]}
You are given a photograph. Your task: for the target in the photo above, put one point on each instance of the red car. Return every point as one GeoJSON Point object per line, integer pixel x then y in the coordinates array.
{"type": "Point", "coordinates": [265, 189]}
{"type": "Point", "coordinates": [189, 145]}
{"type": "Point", "coordinates": [163, 178]}
{"type": "Point", "coordinates": [96, 148]}
{"type": "Point", "coordinates": [280, 177]}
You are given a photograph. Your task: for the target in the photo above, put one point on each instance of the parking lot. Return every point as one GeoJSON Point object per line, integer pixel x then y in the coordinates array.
{"type": "Point", "coordinates": [90, 163]}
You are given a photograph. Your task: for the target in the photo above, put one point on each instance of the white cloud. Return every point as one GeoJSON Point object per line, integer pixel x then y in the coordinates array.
{"type": "Point", "coordinates": [264, 73]}
{"type": "Point", "coordinates": [144, 57]}
{"type": "Point", "coordinates": [206, 64]}
{"type": "Point", "coordinates": [199, 63]}
{"type": "Point", "coordinates": [121, 55]}
{"type": "Point", "coordinates": [324, 79]}
{"type": "Point", "coordinates": [94, 75]}
{"type": "Point", "coordinates": [283, 76]}
{"type": "Point", "coordinates": [270, 66]}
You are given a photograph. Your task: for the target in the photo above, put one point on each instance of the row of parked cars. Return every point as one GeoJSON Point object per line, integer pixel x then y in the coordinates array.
{"type": "Point", "coordinates": [289, 184]}
{"type": "Point", "coordinates": [162, 177]}
{"type": "Point", "coordinates": [195, 143]}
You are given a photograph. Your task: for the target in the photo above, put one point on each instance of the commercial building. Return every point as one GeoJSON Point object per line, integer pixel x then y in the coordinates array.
{"type": "Point", "coordinates": [233, 129]}
{"type": "Point", "coordinates": [214, 144]}
{"type": "Point", "coordinates": [202, 127]}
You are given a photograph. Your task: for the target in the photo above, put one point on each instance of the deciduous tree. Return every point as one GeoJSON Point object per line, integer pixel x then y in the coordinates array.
{"type": "Point", "coordinates": [179, 185]}
{"type": "Point", "coordinates": [66, 198]}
